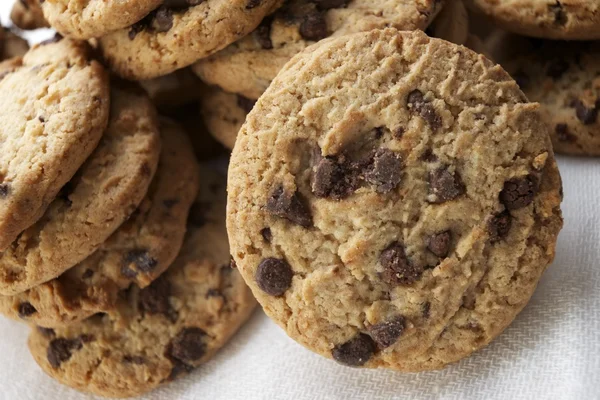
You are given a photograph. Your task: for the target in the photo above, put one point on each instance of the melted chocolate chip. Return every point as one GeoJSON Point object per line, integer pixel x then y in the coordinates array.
{"type": "Point", "coordinates": [252, 4]}
{"type": "Point", "coordinates": [266, 234]}
{"type": "Point", "coordinates": [499, 226]}
{"type": "Point", "coordinates": [290, 207]}
{"type": "Point", "coordinates": [586, 115]}
{"type": "Point", "coordinates": [314, 27]}
{"type": "Point", "coordinates": [188, 346]}
{"type": "Point", "coordinates": [60, 350]}
{"type": "Point", "coordinates": [355, 352]}
{"type": "Point", "coordinates": [416, 102]}
{"type": "Point", "coordinates": [263, 34]}
{"type": "Point", "coordinates": [445, 185]}
{"type": "Point", "coordinates": [387, 333]}
{"type": "Point", "coordinates": [398, 270]}
{"type": "Point", "coordinates": [154, 299]}
{"type": "Point", "coordinates": [274, 276]}
{"type": "Point", "coordinates": [4, 190]}
{"type": "Point", "coordinates": [137, 360]}
{"type": "Point", "coordinates": [137, 260]}
{"type": "Point", "coordinates": [563, 134]}
{"type": "Point", "coordinates": [26, 309]}
{"type": "Point", "coordinates": [439, 243]}
{"type": "Point", "coordinates": [518, 192]}
{"type": "Point", "coordinates": [557, 68]}
{"type": "Point", "coordinates": [335, 178]}
{"type": "Point", "coordinates": [245, 103]}
{"type": "Point", "coordinates": [385, 171]}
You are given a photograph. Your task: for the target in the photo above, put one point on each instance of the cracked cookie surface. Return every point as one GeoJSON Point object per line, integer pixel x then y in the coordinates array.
{"type": "Point", "coordinates": [393, 200]}
{"type": "Point", "coordinates": [250, 64]}
{"type": "Point", "coordinates": [169, 328]}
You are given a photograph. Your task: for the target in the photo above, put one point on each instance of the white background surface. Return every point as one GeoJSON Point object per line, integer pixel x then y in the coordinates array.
{"type": "Point", "coordinates": [551, 351]}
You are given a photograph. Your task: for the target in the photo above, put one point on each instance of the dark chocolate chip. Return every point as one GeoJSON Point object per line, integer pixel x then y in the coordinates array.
{"type": "Point", "coordinates": [188, 346]}
{"type": "Point", "coordinates": [387, 333]}
{"type": "Point", "coordinates": [563, 134]}
{"type": "Point", "coordinates": [60, 350]}
{"type": "Point", "coordinates": [252, 4]}
{"type": "Point", "coordinates": [335, 178]}
{"type": "Point", "coordinates": [136, 261]}
{"type": "Point", "coordinates": [398, 270]}
{"type": "Point", "coordinates": [274, 276]}
{"type": "Point", "coordinates": [163, 20]}
{"type": "Point", "coordinates": [290, 207]}
{"type": "Point", "coordinates": [385, 171]}
{"type": "Point", "coordinates": [355, 352]}
{"type": "Point", "coordinates": [245, 103]}
{"type": "Point", "coordinates": [518, 192]}
{"type": "Point", "coordinates": [4, 190]}
{"type": "Point", "coordinates": [41, 119]}
{"type": "Point", "coordinates": [263, 34]}
{"type": "Point", "coordinates": [439, 243]}
{"type": "Point", "coordinates": [416, 102]}
{"type": "Point", "coordinates": [499, 226]}
{"type": "Point", "coordinates": [266, 234]}
{"type": "Point", "coordinates": [314, 27]}
{"type": "Point", "coordinates": [154, 299]}
{"type": "Point", "coordinates": [399, 132]}
{"type": "Point", "coordinates": [445, 185]}
{"type": "Point", "coordinates": [26, 309]}
{"type": "Point", "coordinates": [178, 369]}
{"type": "Point", "coordinates": [329, 4]}
{"type": "Point", "coordinates": [557, 68]}
{"type": "Point", "coordinates": [428, 156]}
{"type": "Point", "coordinates": [586, 115]}
{"type": "Point", "coordinates": [138, 360]}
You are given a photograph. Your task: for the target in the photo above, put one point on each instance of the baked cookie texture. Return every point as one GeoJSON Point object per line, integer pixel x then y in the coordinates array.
{"type": "Point", "coordinates": [94, 18]}
{"type": "Point", "coordinates": [169, 328]}
{"type": "Point", "coordinates": [249, 65]}
{"type": "Point", "coordinates": [564, 77]}
{"type": "Point", "coordinates": [28, 15]}
{"type": "Point", "coordinates": [173, 36]}
{"type": "Point", "coordinates": [224, 113]}
{"type": "Point", "coordinates": [54, 108]}
{"type": "Point", "coordinates": [393, 200]}
{"type": "Point", "coordinates": [105, 192]}
{"type": "Point", "coordinates": [138, 252]}
{"type": "Point", "coordinates": [551, 19]}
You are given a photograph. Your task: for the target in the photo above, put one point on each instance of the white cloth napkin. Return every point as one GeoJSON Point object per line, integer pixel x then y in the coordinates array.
{"type": "Point", "coordinates": [551, 351]}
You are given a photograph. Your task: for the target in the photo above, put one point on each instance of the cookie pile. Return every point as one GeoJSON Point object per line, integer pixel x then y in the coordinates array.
{"type": "Point", "coordinates": [393, 196]}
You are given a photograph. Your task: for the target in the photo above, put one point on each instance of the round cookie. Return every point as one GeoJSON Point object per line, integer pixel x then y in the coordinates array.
{"type": "Point", "coordinates": [54, 106]}
{"type": "Point", "coordinates": [158, 333]}
{"type": "Point", "coordinates": [393, 200]}
{"type": "Point", "coordinates": [101, 196]}
{"type": "Point", "coordinates": [28, 15]}
{"type": "Point", "coordinates": [11, 45]}
{"type": "Point", "coordinates": [451, 24]}
{"type": "Point", "coordinates": [94, 18]}
{"type": "Point", "coordinates": [175, 35]}
{"type": "Point", "coordinates": [138, 252]}
{"type": "Point", "coordinates": [224, 113]}
{"type": "Point", "coordinates": [249, 65]}
{"type": "Point", "coordinates": [551, 19]}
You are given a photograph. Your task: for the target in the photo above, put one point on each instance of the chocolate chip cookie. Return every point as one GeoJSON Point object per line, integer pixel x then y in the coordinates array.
{"type": "Point", "coordinates": [178, 33]}
{"type": "Point", "coordinates": [138, 252]}
{"type": "Point", "coordinates": [393, 200]}
{"type": "Point", "coordinates": [27, 14]}
{"type": "Point", "coordinates": [249, 65]}
{"type": "Point", "coordinates": [165, 330]}
{"type": "Point", "coordinates": [224, 113]}
{"type": "Point", "coordinates": [54, 105]}
{"type": "Point", "coordinates": [551, 19]}
{"type": "Point", "coordinates": [94, 18]}
{"type": "Point", "coordinates": [564, 77]}
{"type": "Point", "coordinates": [90, 207]}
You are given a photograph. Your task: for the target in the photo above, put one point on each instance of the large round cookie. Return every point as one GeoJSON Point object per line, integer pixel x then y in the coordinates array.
{"type": "Point", "coordinates": [175, 36]}
{"type": "Point", "coordinates": [138, 252]}
{"type": "Point", "coordinates": [54, 106]}
{"type": "Point", "coordinates": [224, 113]}
{"type": "Point", "coordinates": [169, 328]}
{"type": "Point", "coordinates": [105, 192]}
{"type": "Point", "coordinates": [94, 18]}
{"type": "Point", "coordinates": [393, 200]}
{"type": "Point", "coordinates": [552, 19]}
{"type": "Point", "coordinates": [27, 14]}
{"type": "Point", "coordinates": [249, 65]}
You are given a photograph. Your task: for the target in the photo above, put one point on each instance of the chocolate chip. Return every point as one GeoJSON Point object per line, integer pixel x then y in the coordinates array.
{"type": "Point", "coordinates": [399, 132]}
{"type": "Point", "coordinates": [87, 338]}
{"type": "Point", "coordinates": [563, 134]}
{"type": "Point", "coordinates": [136, 261]}
{"type": "Point", "coordinates": [560, 17]}
{"type": "Point", "coordinates": [329, 4]}
{"type": "Point", "coordinates": [335, 178]}
{"type": "Point", "coordinates": [387, 333]}
{"type": "Point", "coordinates": [266, 234]}
{"type": "Point", "coordinates": [355, 352]}
{"type": "Point", "coordinates": [445, 185]}
{"type": "Point", "coordinates": [60, 350]}
{"type": "Point", "coordinates": [518, 192]}
{"type": "Point", "coordinates": [26, 309]}
{"type": "Point", "coordinates": [586, 115]}
{"type": "Point", "coordinates": [428, 156]}
{"type": "Point", "coordinates": [41, 119]}
{"type": "Point", "coordinates": [314, 27]}
{"type": "Point", "coordinates": [557, 68]}
{"type": "Point", "coordinates": [263, 34]}
{"type": "Point", "coordinates": [439, 243]}
{"type": "Point", "coordinates": [245, 103]}
{"type": "Point", "coordinates": [252, 4]}
{"type": "Point", "coordinates": [385, 171]}
{"type": "Point", "coordinates": [163, 20]}
{"type": "Point", "coordinates": [416, 102]}
{"type": "Point", "coordinates": [138, 360]}
{"type": "Point", "coordinates": [398, 270]}
{"type": "Point", "coordinates": [274, 276]}
{"type": "Point", "coordinates": [188, 346]}
{"type": "Point", "coordinates": [4, 190]}
{"type": "Point", "coordinates": [290, 207]}
{"type": "Point", "coordinates": [136, 28]}
{"type": "Point", "coordinates": [154, 299]}
{"type": "Point", "coordinates": [46, 332]}
{"type": "Point", "coordinates": [499, 226]}
{"type": "Point", "coordinates": [178, 369]}
{"type": "Point", "coordinates": [198, 212]}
